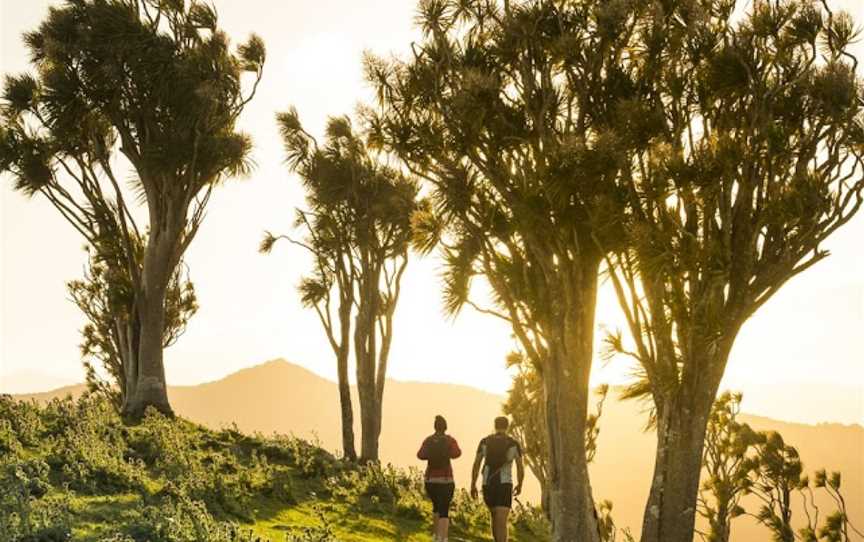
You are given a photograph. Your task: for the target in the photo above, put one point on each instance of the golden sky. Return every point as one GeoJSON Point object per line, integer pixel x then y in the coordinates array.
{"type": "Point", "coordinates": [800, 358]}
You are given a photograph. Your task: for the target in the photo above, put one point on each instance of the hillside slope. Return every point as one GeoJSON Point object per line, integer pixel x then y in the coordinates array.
{"type": "Point", "coordinates": [72, 470]}
{"type": "Point", "coordinates": [284, 398]}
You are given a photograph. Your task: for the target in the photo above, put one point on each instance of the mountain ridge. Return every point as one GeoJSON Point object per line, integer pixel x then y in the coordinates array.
{"type": "Point", "coordinates": [78, 388]}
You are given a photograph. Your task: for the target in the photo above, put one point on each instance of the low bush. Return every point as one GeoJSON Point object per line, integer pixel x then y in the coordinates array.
{"type": "Point", "coordinates": [27, 512]}
{"type": "Point", "coordinates": [22, 420]}
{"type": "Point", "coordinates": [9, 443]}
{"type": "Point", "coordinates": [182, 519]}
{"type": "Point", "coordinates": [322, 532]}
{"type": "Point", "coordinates": [91, 454]}
{"type": "Point", "coordinates": [310, 459]}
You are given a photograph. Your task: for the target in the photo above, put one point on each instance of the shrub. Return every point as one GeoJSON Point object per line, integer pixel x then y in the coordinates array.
{"type": "Point", "coordinates": [531, 520]}
{"type": "Point", "coordinates": [468, 513]}
{"type": "Point", "coordinates": [279, 484]}
{"type": "Point", "coordinates": [9, 444]}
{"type": "Point", "coordinates": [91, 452]}
{"type": "Point", "coordinates": [177, 451]}
{"type": "Point", "coordinates": [117, 537]}
{"type": "Point", "coordinates": [164, 444]}
{"type": "Point", "coordinates": [26, 513]}
{"type": "Point", "coordinates": [314, 533]}
{"type": "Point", "coordinates": [310, 460]}
{"type": "Point", "coordinates": [182, 519]}
{"type": "Point", "coordinates": [20, 419]}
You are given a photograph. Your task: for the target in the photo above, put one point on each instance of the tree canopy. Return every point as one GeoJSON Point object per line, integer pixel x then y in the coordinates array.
{"type": "Point", "coordinates": [152, 81]}
{"type": "Point", "coordinates": [511, 115]}
{"type": "Point", "coordinates": [756, 162]}
{"type": "Point", "coordinates": [358, 229]}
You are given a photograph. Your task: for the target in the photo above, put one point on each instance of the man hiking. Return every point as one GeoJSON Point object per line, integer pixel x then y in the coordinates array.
{"type": "Point", "coordinates": [497, 452]}
{"type": "Point", "coordinates": [438, 449]}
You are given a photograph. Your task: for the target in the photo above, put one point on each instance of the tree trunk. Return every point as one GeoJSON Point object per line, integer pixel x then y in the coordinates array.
{"type": "Point", "coordinates": [670, 514]}
{"type": "Point", "coordinates": [370, 425]}
{"type": "Point", "coordinates": [723, 524]}
{"type": "Point", "coordinates": [348, 450]}
{"type": "Point", "coordinates": [151, 388]}
{"type": "Point", "coordinates": [545, 503]}
{"type": "Point", "coordinates": [127, 349]}
{"type": "Point", "coordinates": [366, 395]}
{"type": "Point", "coordinates": [366, 352]}
{"type": "Point", "coordinates": [566, 390]}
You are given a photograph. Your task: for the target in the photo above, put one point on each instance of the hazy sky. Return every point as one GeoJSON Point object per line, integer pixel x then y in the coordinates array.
{"type": "Point", "coordinates": [800, 358]}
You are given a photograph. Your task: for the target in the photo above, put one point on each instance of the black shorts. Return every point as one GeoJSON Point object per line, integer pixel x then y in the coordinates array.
{"type": "Point", "coordinates": [498, 495]}
{"type": "Point", "coordinates": [441, 496]}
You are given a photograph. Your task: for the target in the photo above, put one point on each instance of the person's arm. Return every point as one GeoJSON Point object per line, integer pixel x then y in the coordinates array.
{"type": "Point", "coordinates": [454, 449]}
{"type": "Point", "coordinates": [423, 453]}
{"type": "Point", "coordinates": [475, 471]}
{"type": "Point", "coordinates": [520, 472]}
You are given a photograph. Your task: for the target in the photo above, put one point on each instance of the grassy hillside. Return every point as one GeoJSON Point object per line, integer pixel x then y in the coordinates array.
{"type": "Point", "coordinates": [72, 470]}
{"type": "Point", "coordinates": [287, 399]}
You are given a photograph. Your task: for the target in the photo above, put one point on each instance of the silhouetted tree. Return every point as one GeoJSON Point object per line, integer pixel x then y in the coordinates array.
{"type": "Point", "coordinates": [777, 474]}
{"type": "Point", "coordinates": [507, 112]}
{"type": "Point", "coordinates": [836, 527]}
{"type": "Point", "coordinates": [526, 408]}
{"type": "Point", "coordinates": [156, 81]}
{"type": "Point", "coordinates": [358, 230]}
{"type": "Point", "coordinates": [740, 462]}
{"type": "Point", "coordinates": [110, 337]}
{"type": "Point", "coordinates": [728, 467]}
{"type": "Point", "coordinates": [757, 162]}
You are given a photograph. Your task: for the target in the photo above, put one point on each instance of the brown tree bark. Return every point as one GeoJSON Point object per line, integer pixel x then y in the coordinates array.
{"type": "Point", "coordinates": [565, 379]}
{"type": "Point", "coordinates": [347, 410]}
{"type": "Point", "coordinates": [128, 343]}
{"type": "Point", "coordinates": [723, 526]}
{"type": "Point", "coordinates": [160, 258]}
{"type": "Point", "coordinates": [370, 425]}
{"type": "Point", "coordinates": [370, 428]}
{"type": "Point", "coordinates": [366, 353]}
{"type": "Point", "coordinates": [670, 513]}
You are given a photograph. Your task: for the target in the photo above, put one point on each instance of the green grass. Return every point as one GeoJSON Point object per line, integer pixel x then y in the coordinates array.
{"type": "Point", "coordinates": [97, 517]}
{"type": "Point", "coordinates": [74, 469]}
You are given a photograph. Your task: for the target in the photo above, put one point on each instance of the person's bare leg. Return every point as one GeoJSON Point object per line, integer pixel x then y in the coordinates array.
{"type": "Point", "coordinates": [435, 519]}
{"type": "Point", "coordinates": [443, 528]}
{"type": "Point", "coordinates": [500, 520]}
{"type": "Point", "coordinates": [494, 524]}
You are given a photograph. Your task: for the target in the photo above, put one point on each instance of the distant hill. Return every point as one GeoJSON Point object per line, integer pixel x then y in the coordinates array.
{"type": "Point", "coordinates": [285, 398]}
{"type": "Point", "coordinates": [28, 380]}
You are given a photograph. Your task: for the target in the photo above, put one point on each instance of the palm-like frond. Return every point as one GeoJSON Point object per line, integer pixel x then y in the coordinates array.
{"type": "Point", "coordinates": [20, 93]}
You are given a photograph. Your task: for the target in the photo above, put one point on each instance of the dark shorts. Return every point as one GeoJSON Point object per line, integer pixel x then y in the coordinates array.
{"type": "Point", "coordinates": [498, 495]}
{"type": "Point", "coordinates": [441, 496]}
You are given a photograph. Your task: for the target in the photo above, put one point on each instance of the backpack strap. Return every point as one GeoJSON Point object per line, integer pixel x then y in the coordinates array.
{"type": "Point", "coordinates": [497, 471]}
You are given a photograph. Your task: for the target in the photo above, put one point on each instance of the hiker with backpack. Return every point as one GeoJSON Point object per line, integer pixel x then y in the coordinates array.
{"type": "Point", "coordinates": [498, 452]}
{"type": "Point", "coordinates": [437, 450]}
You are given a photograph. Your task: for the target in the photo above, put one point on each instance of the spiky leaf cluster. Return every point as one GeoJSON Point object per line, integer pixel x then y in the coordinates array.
{"type": "Point", "coordinates": [759, 162]}
{"type": "Point", "coordinates": [512, 113]}
{"type": "Point", "coordinates": [359, 209]}
{"type": "Point", "coordinates": [728, 460]}
{"type": "Point", "coordinates": [158, 76]}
